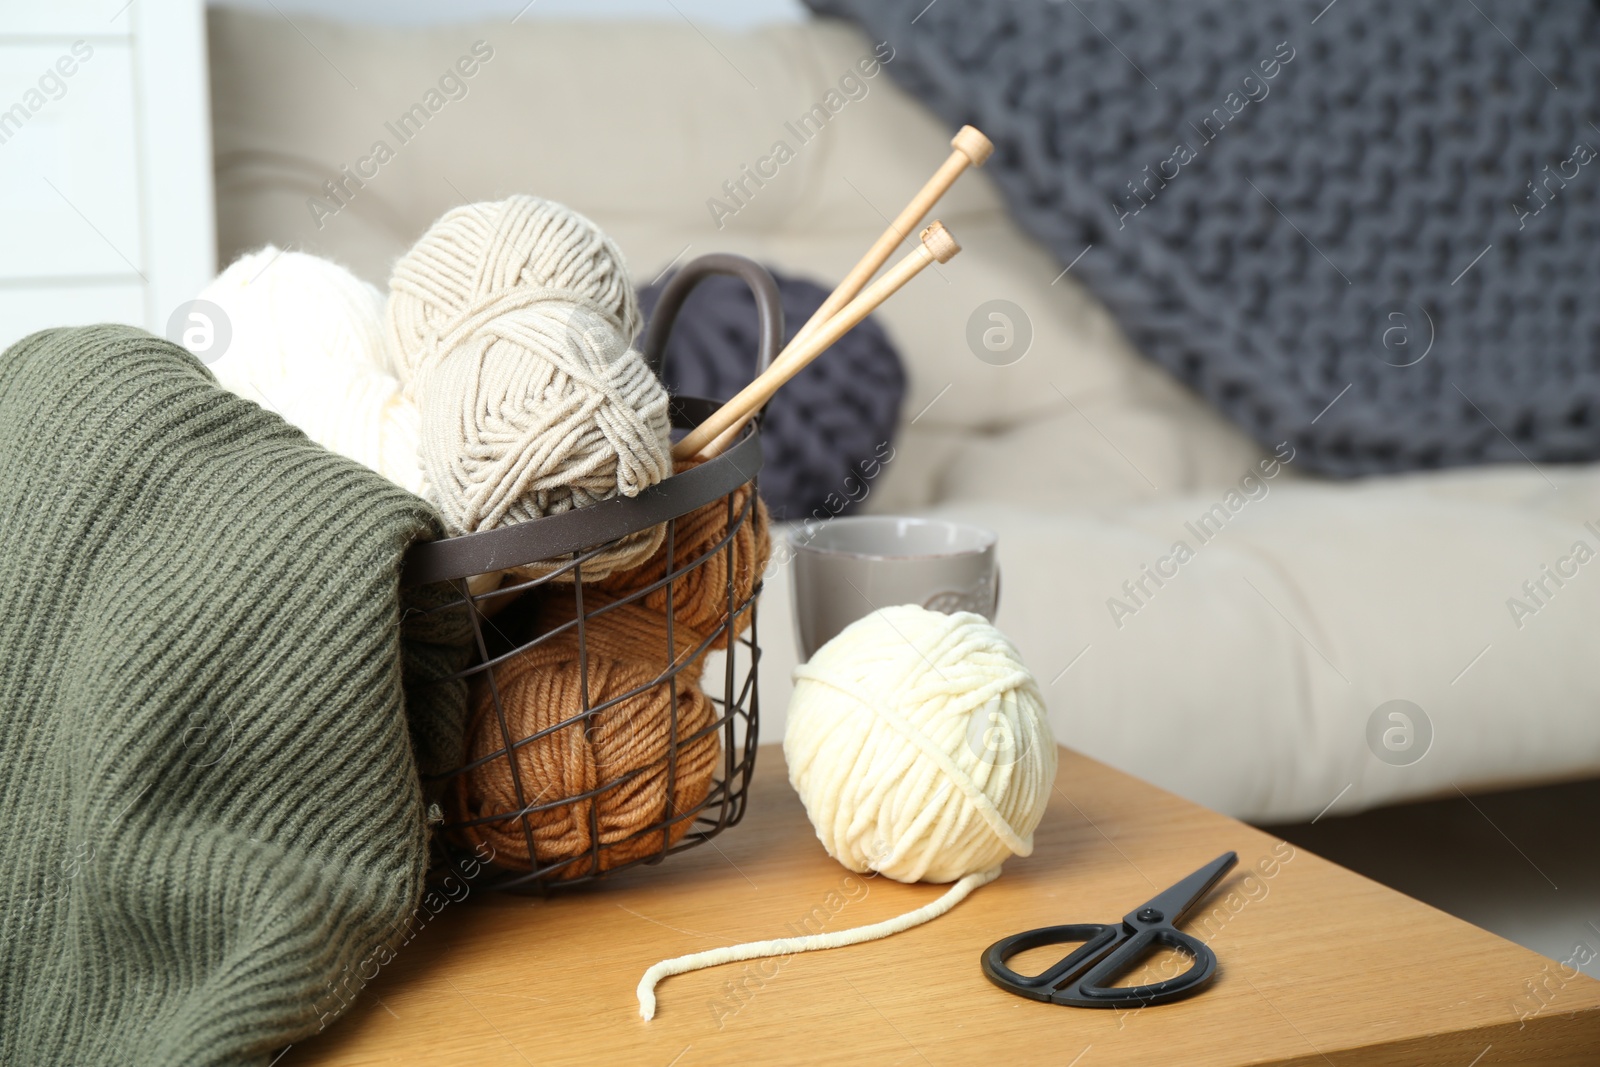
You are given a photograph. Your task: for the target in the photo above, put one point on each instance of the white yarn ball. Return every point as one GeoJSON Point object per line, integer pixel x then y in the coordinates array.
{"type": "Point", "coordinates": [308, 343]}
{"type": "Point", "coordinates": [512, 325]}
{"type": "Point", "coordinates": [919, 745]}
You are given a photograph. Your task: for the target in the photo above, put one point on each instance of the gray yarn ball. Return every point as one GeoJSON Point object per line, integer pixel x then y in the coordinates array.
{"type": "Point", "coordinates": [834, 418]}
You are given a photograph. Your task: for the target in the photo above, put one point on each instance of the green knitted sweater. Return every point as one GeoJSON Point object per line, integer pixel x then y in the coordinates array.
{"type": "Point", "coordinates": [211, 717]}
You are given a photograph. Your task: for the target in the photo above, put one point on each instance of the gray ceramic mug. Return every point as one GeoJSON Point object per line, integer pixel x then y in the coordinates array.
{"type": "Point", "coordinates": [845, 569]}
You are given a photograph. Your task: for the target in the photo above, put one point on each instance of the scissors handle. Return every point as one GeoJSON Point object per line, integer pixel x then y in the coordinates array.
{"type": "Point", "coordinates": [1082, 978]}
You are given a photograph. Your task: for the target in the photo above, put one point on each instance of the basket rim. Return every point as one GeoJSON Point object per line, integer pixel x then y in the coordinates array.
{"type": "Point", "coordinates": [543, 539]}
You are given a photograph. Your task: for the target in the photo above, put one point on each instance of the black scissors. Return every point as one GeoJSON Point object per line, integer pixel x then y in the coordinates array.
{"type": "Point", "coordinates": [1109, 951]}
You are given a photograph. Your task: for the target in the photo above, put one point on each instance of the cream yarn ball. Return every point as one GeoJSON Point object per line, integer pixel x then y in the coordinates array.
{"type": "Point", "coordinates": [919, 745]}
{"type": "Point", "coordinates": [511, 324]}
{"type": "Point", "coordinates": [308, 343]}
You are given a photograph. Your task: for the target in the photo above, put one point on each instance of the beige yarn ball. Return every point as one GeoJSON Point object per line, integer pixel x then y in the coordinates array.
{"type": "Point", "coordinates": [511, 324]}
{"type": "Point", "coordinates": [919, 745]}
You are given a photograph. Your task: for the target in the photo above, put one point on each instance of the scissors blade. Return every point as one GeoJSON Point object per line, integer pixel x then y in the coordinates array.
{"type": "Point", "coordinates": [1175, 903]}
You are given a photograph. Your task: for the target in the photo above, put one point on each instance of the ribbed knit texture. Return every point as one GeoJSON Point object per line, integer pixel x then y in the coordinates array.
{"type": "Point", "coordinates": [211, 800]}
{"type": "Point", "coordinates": [1274, 236]}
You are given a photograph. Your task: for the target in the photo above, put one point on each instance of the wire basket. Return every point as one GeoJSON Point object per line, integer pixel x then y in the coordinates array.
{"type": "Point", "coordinates": [565, 542]}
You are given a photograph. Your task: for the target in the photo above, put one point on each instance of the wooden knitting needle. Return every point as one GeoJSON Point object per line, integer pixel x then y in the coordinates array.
{"type": "Point", "coordinates": [968, 147]}
{"type": "Point", "coordinates": [937, 247]}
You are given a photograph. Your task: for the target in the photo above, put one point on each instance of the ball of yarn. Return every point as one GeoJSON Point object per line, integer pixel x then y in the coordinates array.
{"type": "Point", "coordinates": [835, 417]}
{"type": "Point", "coordinates": [511, 324]}
{"type": "Point", "coordinates": [627, 646]}
{"type": "Point", "coordinates": [626, 746]}
{"type": "Point", "coordinates": [919, 744]}
{"type": "Point", "coordinates": [307, 342]}
{"type": "Point", "coordinates": [700, 541]}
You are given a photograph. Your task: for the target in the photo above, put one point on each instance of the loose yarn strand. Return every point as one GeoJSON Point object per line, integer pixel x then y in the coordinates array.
{"type": "Point", "coordinates": [785, 946]}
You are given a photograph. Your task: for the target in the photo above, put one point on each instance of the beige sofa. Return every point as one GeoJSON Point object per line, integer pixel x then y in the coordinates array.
{"type": "Point", "coordinates": [1246, 677]}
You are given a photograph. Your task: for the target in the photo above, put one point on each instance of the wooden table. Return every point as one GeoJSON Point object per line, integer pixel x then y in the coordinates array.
{"type": "Point", "coordinates": [1318, 965]}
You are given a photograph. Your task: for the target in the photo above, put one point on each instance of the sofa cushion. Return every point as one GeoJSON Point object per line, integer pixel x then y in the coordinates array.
{"type": "Point", "coordinates": [1248, 680]}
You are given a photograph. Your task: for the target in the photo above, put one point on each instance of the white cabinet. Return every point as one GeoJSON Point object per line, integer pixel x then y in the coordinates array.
{"type": "Point", "coordinates": [106, 209]}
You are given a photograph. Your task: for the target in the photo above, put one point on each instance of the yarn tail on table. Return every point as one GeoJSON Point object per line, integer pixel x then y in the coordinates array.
{"type": "Point", "coordinates": [786, 946]}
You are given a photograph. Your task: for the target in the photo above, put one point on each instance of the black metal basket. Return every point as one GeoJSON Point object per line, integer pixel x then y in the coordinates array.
{"type": "Point", "coordinates": [566, 541]}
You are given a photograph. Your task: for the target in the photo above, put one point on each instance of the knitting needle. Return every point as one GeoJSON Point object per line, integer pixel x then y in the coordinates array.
{"type": "Point", "coordinates": [968, 147]}
{"type": "Point", "coordinates": [937, 246]}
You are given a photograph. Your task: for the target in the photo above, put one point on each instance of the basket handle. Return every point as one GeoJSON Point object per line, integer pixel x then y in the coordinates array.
{"type": "Point", "coordinates": [769, 305]}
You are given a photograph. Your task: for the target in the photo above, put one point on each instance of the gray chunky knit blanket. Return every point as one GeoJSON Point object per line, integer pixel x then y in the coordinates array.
{"type": "Point", "coordinates": [1370, 229]}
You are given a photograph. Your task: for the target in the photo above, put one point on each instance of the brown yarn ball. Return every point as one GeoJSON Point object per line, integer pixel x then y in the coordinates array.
{"type": "Point", "coordinates": [626, 746]}
{"type": "Point", "coordinates": [700, 597]}
{"type": "Point", "coordinates": [626, 645]}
